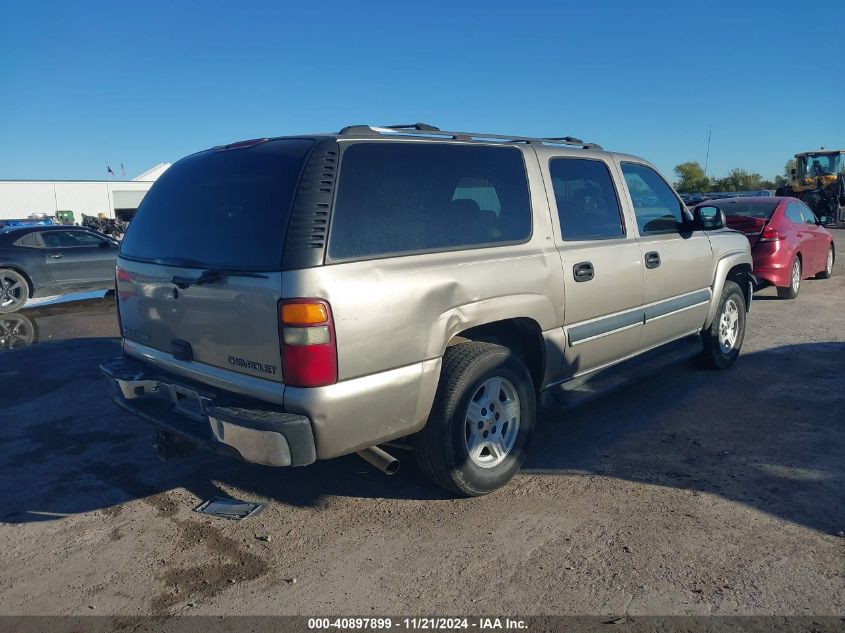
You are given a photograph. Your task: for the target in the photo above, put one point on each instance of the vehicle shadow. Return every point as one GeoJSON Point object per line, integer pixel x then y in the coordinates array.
{"type": "Point", "coordinates": [768, 433]}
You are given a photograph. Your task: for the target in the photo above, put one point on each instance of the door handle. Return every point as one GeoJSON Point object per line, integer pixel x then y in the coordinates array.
{"type": "Point", "coordinates": [652, 259]}
{"type": "Point", "coordinates": [55, 255]}
{"type": "Point", "coordinates": [583, 271]}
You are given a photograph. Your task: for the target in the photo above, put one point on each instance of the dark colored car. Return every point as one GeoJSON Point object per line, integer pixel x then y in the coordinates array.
{"type": "Point", "coordinates": [788, 242]}
{"type": "Point", "coordinates": [41, 261]}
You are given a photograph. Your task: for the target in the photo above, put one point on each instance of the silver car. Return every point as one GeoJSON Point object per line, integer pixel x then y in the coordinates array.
{"type": "Point", "coordinates": [284, 300]}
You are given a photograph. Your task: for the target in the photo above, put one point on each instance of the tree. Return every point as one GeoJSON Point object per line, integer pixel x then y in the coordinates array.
{"type": "Point", "coordinates": [691, 178]}
{"type": "Point", "coordinates": [787, 169]}
{"type": "Point", "coordinates": [739, 180]}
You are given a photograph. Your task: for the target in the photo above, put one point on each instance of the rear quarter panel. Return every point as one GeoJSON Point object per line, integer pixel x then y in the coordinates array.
{"type": "Point", "coordinates": [29, 261]}
{"type": "Point", "coordinates": [404, 309]}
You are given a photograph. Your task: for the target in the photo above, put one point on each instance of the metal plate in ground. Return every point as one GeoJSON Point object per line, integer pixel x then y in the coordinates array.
{"type": "Point", "coordinates": [230, 508]}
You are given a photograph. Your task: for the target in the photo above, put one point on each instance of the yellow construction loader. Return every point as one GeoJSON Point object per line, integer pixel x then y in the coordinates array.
{"type": "Point", "coordinates": [818, 179]}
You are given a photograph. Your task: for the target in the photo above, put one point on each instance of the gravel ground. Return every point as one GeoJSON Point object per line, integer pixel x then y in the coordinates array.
{"type": "Point", "coordinates": [691, 492]}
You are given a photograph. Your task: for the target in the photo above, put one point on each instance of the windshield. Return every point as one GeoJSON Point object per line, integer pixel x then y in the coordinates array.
{"type": "Point", "coordinates": [814, 165]}
{"type": "Point", "coordinates": [759, 210]}
{"type": "Point", "coordinates": [220, 209]}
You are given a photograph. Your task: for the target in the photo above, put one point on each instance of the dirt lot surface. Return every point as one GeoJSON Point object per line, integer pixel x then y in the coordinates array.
{"type": "Point", "coordinates": [692, 492]}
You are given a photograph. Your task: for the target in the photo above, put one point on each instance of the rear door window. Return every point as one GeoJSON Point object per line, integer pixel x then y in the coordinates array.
{"type": "Point", "coordinates": [586, 199]}
{"type": "Point", "coordinates": [400, 197]}
{"type": "Point", "coordinates": [220, 208]}
{"type": "Point", "coordinates": [656, 206]}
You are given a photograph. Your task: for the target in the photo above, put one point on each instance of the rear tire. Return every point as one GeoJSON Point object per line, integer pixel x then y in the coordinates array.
{"type": "Point", "coordinates": [481, 420]}
{"type": "Point", "coordinates": [828, 271]}
{"type": "Point", "coordinates": [14, 291]}
{"type": "Point", "coordinates": [791, 291]}
{"type": "Point", "coordinates": [723, 339]}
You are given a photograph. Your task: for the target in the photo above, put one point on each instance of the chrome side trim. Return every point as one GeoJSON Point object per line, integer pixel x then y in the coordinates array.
{"type": "Point", "coordinates": [665, 307]}
{"type": "Point", "coordinates": [587, 331]}
{"type": "Point", "coordinates": [598, 328]}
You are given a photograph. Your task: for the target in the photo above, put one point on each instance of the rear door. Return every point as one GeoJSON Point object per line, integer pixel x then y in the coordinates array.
{"type": "Point", "coordinates": [799, 236]}
{"type": "Point", "coordinates": [817, 244]}
{"type": "Point", "coordinates": [602, 268]}
{"type": "Point", "coordinates": [222, 212]}
{"type": "Point", "coordinates": [678, 263]}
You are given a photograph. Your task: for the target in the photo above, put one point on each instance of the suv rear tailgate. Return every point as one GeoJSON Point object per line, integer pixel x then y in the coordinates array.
{"type": "Point", "coordinates": [199, 273]}
{"type": "Point", "coordinates": [231, 323]}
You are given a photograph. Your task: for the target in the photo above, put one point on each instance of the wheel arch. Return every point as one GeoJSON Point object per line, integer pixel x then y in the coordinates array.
{"type": "Point", "coordinates": [23, 274]}
{"type": "Point", "coordinates": [734, 266]}
{"type": "Point", "coordinates": [523, 335]}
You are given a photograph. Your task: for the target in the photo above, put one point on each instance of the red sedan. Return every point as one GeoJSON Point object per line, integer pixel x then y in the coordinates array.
{"type": "Point", "coordinates": [788, 242]}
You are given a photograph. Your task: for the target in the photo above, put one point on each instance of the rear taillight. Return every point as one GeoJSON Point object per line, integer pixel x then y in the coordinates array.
{"type": "Point", "coordinates": [771, 234]}
{"type": "Point", "coordinates": [124, 287]}
{"type": "Point", "coordinates": [307, 340]}
{"type": "Point", "coordinates": [124, 284]}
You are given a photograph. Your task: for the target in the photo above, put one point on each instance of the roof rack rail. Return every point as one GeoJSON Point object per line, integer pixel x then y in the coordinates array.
{"type": "Point", "coordinates": [423, 129]}
{"type": "Point", "coordinates": [369, 129]}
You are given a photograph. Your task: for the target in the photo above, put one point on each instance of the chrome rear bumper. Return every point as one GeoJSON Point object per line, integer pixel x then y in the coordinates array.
{"type": "Point", "coordinates": [254, 431]}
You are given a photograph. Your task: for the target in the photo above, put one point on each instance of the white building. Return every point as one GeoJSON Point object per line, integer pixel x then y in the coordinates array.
{"type": "Point", "coordinates": [112, 198]}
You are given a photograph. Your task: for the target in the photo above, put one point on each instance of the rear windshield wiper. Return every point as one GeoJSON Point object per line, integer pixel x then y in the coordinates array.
{"type": "Point", "coordinates": [210, 275]}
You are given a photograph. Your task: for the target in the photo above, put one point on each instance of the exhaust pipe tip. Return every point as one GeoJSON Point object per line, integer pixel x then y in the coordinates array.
{"type": "Point", "coordinates": [380, 459]}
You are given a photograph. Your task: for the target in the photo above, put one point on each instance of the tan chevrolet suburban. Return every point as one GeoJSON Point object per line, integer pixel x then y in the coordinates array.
{"type": "Point", "coordinates": [284, 300]}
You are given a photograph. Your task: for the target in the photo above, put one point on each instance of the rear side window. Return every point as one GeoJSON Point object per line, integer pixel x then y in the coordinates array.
{"type": "Point", "coordinates": [220, 209]}
{"type": "Point", "coordinates": [30, 240]}
{"type": "Point", "coordinates": [793, 212]}
{"type": "Point", "coordinates": [807, 214]}
{"type": "Point", "coordinates": [587, 204]}
{"type": "Point", "coordinates": [657, 208]}
{"type": "Point", "coordinates": [396, 197]}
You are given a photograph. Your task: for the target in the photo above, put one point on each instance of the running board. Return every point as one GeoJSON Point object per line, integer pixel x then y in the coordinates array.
{"type": "Point", "coordinates": [578, 391]}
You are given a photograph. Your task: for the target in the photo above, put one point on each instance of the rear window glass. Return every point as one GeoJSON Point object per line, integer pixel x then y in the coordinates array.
{"type": "Point", "coordinates": [220, 209]}
{"type": "Point", "coordinates": [398, 197]}
{"type": "Point", "coordinates": [760, 210]}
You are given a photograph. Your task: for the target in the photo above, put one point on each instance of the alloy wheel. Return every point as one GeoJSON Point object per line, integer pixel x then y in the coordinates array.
{"type": "Point", "coordinates": [12, 291]}
{"type": "Point", "coordinates": [729, 326]}
{"type": "Point", "coordinates": [492, 422]}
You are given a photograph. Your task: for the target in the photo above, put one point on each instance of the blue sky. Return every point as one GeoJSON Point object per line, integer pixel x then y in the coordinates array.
{"type": "Point", "coordinates": [85, 84]}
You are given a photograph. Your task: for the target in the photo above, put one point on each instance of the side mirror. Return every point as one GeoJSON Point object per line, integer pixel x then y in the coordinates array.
{"type": "Point", "coordinates": [793, 171]}
{"type": "Point", "coordinates": [709, 218]}
{"type": "Point", "coordinates": [826, 220]}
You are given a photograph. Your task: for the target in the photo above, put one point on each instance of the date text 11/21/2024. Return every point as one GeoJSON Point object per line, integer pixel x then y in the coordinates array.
{"type": "Point", "coordinates": [420, 623]}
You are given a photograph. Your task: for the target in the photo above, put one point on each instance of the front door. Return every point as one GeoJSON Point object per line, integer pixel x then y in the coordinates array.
{"type": "Point", "coordinates": [78, 258]}
{"type": "Point", "coordinates": [602, 268]}
{"type": "Point", "coordinates": [677, 262]}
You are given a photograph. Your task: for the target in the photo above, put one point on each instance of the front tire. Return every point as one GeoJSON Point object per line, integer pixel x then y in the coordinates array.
{"type": "Point", "coordinates": [723, 339]}
{"type": "Point", "coordinates": [481, 420]}
{"type": "Point", "coordinates": [791, 291]}
{"type": "Point", "coordinates": [828, 270]}
{"type": "Point", "coordinates": [14, 291]}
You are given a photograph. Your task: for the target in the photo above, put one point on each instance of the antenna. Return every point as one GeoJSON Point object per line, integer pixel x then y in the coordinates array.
{"type": "Point", "coordinates": [707, 157]}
